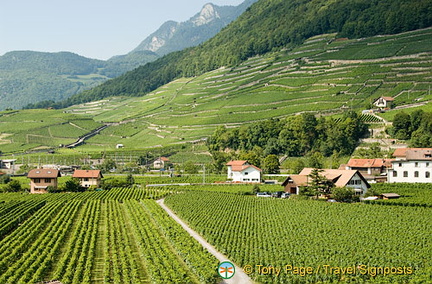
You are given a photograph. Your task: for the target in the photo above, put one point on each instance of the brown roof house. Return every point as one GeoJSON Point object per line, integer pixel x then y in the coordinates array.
{"type": "Point", "coordinates": [40, 179]}
{"type": "Point", "coordinates": [160, 162]}
{"type": "Point", "coordinates": [341, 178]}
{"type": "Point", "coordinates": [384, 102]}
{"type": "Point", "coordinates": [88, 178]}
{"type": "Point", "coordinates": [371, 169]}
{"type": "Point", "coordinates": [242, 171]}
{"type": "Point", "coordinates": [412, 165]}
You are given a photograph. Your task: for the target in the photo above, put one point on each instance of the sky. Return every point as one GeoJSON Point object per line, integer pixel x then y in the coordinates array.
{"type": "Point", "coordinates": [96, 29]}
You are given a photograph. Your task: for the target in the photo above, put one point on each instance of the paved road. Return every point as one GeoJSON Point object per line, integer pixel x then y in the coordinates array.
{"type": "Point", "coordinates": [239, 278]}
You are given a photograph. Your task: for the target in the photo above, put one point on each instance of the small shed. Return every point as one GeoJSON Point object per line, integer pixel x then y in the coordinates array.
{"type": "Point", "coordinates": [390, 196]}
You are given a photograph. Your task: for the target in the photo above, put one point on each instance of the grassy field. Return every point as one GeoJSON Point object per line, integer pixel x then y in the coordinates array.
{"type": "Point", "coordinates": [324, 75]}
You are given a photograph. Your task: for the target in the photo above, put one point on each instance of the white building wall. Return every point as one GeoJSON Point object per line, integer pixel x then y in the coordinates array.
{"type": "Point", "coordinates": [410, 171]}
{"type": "Point", "coordinates": [249, 174]}
{"type": "Point", "coordinates": [357, 183]}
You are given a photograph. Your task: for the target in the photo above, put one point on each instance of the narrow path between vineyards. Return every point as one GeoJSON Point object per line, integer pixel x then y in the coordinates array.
{"type": "Point", "coordinates": [239, 277]}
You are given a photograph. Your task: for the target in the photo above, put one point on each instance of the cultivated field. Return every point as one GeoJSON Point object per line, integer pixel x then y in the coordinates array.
{"type": "Point", "coordinates": [313, 241]}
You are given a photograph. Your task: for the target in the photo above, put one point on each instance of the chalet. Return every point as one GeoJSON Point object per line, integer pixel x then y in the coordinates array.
{"type": "Point", "coordinates": [384, 102]}
{"type": "Point", "coordinates": [411, 165]}
{"type": "Point", "coordinates": [160, 163]}
{"type": "Point", "coordinates": [88, 178]}
{"type": "Point", "coordinates": [341, 178]}
{"type": "Point", "coordinates": [242, 171]}
{"type": "Point", "coordinates": [40, 179]}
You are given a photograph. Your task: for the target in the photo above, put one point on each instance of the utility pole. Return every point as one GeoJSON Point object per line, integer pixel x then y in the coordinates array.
{"type": "Point", "coordinates": [203, 174]}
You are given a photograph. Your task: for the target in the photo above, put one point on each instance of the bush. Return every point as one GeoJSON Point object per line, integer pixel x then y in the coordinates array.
{"type": "Point", "coordinates": [13, 186]}
{"type": "Point", "coordinates": [344, 194]}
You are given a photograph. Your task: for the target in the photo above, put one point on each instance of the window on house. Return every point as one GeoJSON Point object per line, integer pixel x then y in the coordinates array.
{"type": "Point", "coordinates": [86, 179]}
{"type": "Point", "coordinates": [405, 174]}
{"type": "Point", "coordinates": [47, 180]}
{"type": "Point", "coordinates": [37, 180]}
{"type": "Point", "coordinates": [427, 174]}
{"type": "Point", "coordinates": [416, 164]}
{"type": "Point", "coordinates": [400, 164]}
{"type": "Point", "coordinates": [416, 174]}
{"type": "Point", "coordinates": [394, 173]}
{"type": "Point", "coordinates": [427, 164]}
{"type": "Point", "coordinates": [246, 173]}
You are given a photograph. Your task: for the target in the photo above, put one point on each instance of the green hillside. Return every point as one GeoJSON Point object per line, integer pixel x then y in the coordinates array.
{"type": "Point", "coordinates": [268, 26]}
{"type": "Point", "coordinates": [325, 75]}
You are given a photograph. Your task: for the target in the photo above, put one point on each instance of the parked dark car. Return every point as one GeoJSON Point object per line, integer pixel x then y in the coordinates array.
{"type": "Point", "coordinates": [277, 194]}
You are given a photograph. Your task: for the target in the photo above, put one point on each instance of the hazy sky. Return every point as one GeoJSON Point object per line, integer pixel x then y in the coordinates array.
{"type": "Point", "coordinates": [92, 28]}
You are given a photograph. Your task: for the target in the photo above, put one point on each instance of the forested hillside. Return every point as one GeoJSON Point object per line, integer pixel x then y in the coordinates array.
{"type": "Point", "coordinates": [266, 26]}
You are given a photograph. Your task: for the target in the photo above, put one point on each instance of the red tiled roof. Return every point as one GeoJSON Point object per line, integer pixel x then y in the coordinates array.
{"type": "Point", "coordinates": [43, 173]}
{"type": "Point", "coordinates": [388, 98]}
{"type": "Point", "coordinates": [87, 174]}
{"type": "Point", "coordinates": [369, 163]}
{"type": "Point", "coordinates": [238, 166]}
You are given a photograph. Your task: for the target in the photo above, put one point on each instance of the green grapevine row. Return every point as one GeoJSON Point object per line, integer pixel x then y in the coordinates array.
{"type": "Point", "coordinates": [260, 231]}
{"type": "Point", "coordinates": [38, 257]}
{"type": "Point", "coordinates": [17, 213]}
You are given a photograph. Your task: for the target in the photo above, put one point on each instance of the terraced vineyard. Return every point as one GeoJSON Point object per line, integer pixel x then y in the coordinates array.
{"type": "Point", "coordinates": [325, 75]}
{"type": "Point", "coordinates": [338, 242]}
{"type": "Point", "coordinates": [116, 236]}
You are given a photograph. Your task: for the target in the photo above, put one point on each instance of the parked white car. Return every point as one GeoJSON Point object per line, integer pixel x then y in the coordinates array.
{"type": "Point", "coordinates": [263, 194]}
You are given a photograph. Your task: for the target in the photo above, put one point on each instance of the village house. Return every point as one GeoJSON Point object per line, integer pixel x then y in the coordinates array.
{"type": "Point", "coordinates": [384, 102]}
{"type": "Point", "coordinates": [160, 163]}
{"type": "Point", "coordinates": [242, 171]}
{"type": "Point", "coordinates": [341, 178]}
{"type": "Point", "coordinates": [412, 165]}
{"type": "Point", "coordinates": [40, 179]}
{"type": "Point", "coordinates": [372, 169]}
{"type": "Point", "coordinates": [88, 178]}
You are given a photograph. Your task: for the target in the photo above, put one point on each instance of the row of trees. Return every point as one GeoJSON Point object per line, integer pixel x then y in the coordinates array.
{"type": "Point", "coordinates": [294, 136]}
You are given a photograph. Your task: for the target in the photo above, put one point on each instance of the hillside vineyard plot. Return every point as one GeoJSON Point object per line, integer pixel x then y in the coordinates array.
{"type": "Point", "coordinates": [256, 232]}
{"type": "Point", "coordinates": [114, 236]}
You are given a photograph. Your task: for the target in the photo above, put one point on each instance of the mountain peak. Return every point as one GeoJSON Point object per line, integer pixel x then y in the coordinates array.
{"type": "Point", "coordinates": [208, 13]}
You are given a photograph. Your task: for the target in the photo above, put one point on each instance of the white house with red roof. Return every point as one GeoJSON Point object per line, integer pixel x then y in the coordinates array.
{"type": "Point", "coordinates": [88, 178]}
{"type": "Point", "coordinates": [242, 171]}
{"type": "Point", "coordinates": [384, 102]}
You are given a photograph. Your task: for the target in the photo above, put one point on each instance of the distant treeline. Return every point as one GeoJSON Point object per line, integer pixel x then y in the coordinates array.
{"type": "Point", "coordinates": [266, 26]}
{"type": "Point", "coordinates": [294, 136]}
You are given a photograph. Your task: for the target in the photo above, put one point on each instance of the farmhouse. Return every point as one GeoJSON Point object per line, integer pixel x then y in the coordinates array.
{"type": "Point", "coordinates": [384, 102]}
{"type": "Point", "coordinates": [411, 165]}
{"type": "Point", "coordinates": [40, 179]}
{"type": "Point", "coordinates": [88, 178]}
{"type": "Point", "coordinates": [341, 178]}
{"type": "Point", "coordinates": [242, 171]}
{"type": "Point", "coordinates": [160, 162]}
{"type": "Point", "coordinates": [371, 169]}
